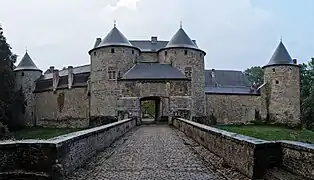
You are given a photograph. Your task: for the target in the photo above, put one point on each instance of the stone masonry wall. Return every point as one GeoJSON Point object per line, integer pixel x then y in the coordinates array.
{"type": "Point", "coordinates": [248, 155]}
{"type": "Point", "coordinates": [284, 85]}
{"type": "Point", "coordinates": [41, 159]}
{"type": "Point", "coordinates": [27, 83]}
{"type": "Point", "coordinates": [182, 58]}
{"type": "Point", "coordinates": [150, 57]}
{"type": "Point", "coordinates": [63, 108]}
{"type": "Point", "coordinates": [104, 92]}
{"type": "Point", "coordinates": [234, 109]}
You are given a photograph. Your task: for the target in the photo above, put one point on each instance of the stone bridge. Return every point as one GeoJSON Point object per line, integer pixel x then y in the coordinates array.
{"type": "Point", "coordinates": [180, 149]}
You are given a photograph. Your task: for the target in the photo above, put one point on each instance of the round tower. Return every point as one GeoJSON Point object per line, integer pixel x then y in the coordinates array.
{"type": "Point", "coordinates": [282, 92]}
{"type": "Point", "coordinates": [183, 53]}
{"type": "Point", "coordinates": [110, 59]}
{"type": "Point", "coordinates": [26, 74]}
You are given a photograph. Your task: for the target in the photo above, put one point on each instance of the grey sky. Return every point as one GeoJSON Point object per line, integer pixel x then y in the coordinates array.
{"type": "Point", "coordinates": [234, 34]}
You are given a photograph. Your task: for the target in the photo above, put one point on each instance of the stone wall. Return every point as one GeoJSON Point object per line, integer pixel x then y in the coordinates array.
{"type": "Point", "coordinates": [149, 57]}
{"type": "Point", "coordinates": [43, 159]}
{"type": "Point", "coordinates": [298, 158]}
{"type": "Point", "coordinates": [284, 88]}
{"type": "Point", "coordinates": [234, 109]}
{"type": "Point", "coordinates": [252, 157]}
{"type": "Point", "coordinates": [63, 108]}
{"type": "Point", "coordinates": [248, 155]}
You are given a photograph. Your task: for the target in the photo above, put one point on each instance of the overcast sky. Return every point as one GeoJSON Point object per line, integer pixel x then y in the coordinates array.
{"type": "Point", "coordinates": [236, 34]}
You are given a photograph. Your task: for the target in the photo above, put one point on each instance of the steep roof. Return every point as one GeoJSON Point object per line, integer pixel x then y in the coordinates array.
{"type": "Point", "coordinates": [181, 39]}
{"type": "Point", "coordinates": [280, 56]}
{"type": "Point", "coordinates": [226, 78]}
{"type": "Point", "coordinates": [26, 64]}
{"type": "Point", "coordinates": [115, 38]}
{"type": "Point", "coordinates": [148, 46]}
{"type": "Point", "coordinates": [153, 71]}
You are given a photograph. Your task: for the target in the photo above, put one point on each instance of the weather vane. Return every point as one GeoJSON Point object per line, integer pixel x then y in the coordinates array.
{"type": "Point", "coordinates": [181, 24]}
{"type": "Point", "coordinates": [114, 23]}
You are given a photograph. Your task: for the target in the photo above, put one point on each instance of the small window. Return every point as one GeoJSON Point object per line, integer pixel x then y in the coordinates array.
{"type": "Point", "coordinates": [277, 82]}
{"type": "Point", "coordinates": [175, 52]}
{"type": "Point", "coordinates": [166, 53]}
{"type": "Point", "coordinates": [132, 51]}
{"type": "Point", "coordinates": [188, 72]}
{"type": "Point", "coordinates": [112, 73]}
{"type": "Point", "coordinates": [180, 90]}
{"type": "Point", "coordinates": [95, 53]}
{"type": "Point", "coordinates": [274, 70]}
{"type": "Point", "coordinates": [112, 50]}
{"type": "Point", "coordinates": [22, 73]}
{"type": "Point", "coordinates": [185, 52]}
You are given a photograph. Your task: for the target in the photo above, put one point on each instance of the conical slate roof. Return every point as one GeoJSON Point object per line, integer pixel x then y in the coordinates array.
{"type": "Point", "coordinates": [181, 39]}
{"type": "Point", "coordinates": [115, 38]}
{"type": "Point", "coordinates": [26, 64]}
{"type": "Point", "coordinates": [280, 56]}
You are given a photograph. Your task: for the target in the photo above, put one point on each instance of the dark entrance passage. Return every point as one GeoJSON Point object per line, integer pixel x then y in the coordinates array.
{"type": "Point", "coordinates": [150, 108]}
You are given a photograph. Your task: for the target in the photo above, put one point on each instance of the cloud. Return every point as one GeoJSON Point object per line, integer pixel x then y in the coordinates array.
{"type": "Point", "coordinates": [234, 34]}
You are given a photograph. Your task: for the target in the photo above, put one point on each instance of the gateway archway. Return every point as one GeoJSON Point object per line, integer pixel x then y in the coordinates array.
{"type": "Point", "coordinates": [150, 108]}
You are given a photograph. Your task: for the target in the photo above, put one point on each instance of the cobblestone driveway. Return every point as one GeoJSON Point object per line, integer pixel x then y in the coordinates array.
{"type": "Point", "coordinates": [147, 152]}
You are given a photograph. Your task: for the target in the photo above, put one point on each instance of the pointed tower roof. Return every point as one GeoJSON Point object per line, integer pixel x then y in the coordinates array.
{"type": "Point", "coordinates": [280, 56]}
{"type": "Point", "coordinates": [115, 38]}
{"type": "Point", "coordinates": [181, 39]}
{"type": "Point", "coordinates": [26, 64]}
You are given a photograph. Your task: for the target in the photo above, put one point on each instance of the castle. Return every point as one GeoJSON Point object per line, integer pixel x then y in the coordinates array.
{"type": "Point", "coordinates": [124, 73]}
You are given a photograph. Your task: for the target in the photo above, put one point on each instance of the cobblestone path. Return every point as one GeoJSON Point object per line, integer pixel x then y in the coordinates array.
{"type": "Point", "coordinates": [147, 152]}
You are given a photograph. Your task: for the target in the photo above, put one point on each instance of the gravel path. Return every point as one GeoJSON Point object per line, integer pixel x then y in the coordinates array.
{"type": "Point", "coordinates": [149, 152]}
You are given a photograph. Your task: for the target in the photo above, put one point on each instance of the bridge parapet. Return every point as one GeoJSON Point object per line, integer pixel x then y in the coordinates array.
{"type": "Point", "coordinates": [43, 159]}
{"type": "Point", "coordinates": [251, 156]}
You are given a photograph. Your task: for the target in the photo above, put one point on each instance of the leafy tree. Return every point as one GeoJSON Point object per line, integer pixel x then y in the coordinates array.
{"type": "Point", "coordinates": [255, 74]}
{"type": "Point", "coordinates": [7, 83]}
{"type": "Point", "coordinates": [307, 93]}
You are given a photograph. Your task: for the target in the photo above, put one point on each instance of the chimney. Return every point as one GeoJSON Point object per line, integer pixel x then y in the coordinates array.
{"type": "Point", "coordinates": [98, 41]}
{"type": "Point", "coordinates": [70, 76]}
{"type": "Point", "coordinates": [213, 78]}
{"type": "Point", "coordinates": [51, 68]}
{"type": "Point", "coordinates": [154, 39]}
{"type": "Point", "coordinates": [295, 61]}
{"type": "Point", "coordinates": [55, 79]}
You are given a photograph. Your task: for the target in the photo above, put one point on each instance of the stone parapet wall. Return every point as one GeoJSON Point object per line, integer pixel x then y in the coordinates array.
{"type": "Point", "coordinates": [252, 157]}
{"type": "Point", "coordinates": [298, 158]}
{"type": "Point", "coordinates": [46, 158]}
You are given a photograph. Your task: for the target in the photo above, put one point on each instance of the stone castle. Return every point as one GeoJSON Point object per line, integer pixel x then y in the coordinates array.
{"type": "Point", "coordinates": [124, 73]}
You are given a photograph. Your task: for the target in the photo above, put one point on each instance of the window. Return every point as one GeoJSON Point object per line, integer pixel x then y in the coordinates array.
{"type": "Point", "coordinates": [166, 53]}
{"type": "Point", "coordinates": [274, 70]}
{"type": "Point", "coordinates": [277, 82]}
{"type": "Point", "coordinates": [132, 51]}
{"type": "Point", "coordinates": [188, 72]}
{"type": "Point", "coordinates": [112, 73]}
{"type": "Point", "coordinates": [112, 50]}
{"type": "Point", "coordinates": [185, 52]}
{"type": "Point", "coordinates": [201, 55]}
{"type": "Point", "coordinates": [95, 53]}
{"type": "Point", "coordinates": [22, 73]}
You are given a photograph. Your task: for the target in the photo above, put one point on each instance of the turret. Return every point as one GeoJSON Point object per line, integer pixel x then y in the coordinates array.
{"type": "Point", "coordinates": [282, 92]}
{"type": "Point", "coordinates": [110, 59]}
{"type": "Point", "coordinates": [184, 54]}
{"type": "Point", "coordinates": [26, 74]}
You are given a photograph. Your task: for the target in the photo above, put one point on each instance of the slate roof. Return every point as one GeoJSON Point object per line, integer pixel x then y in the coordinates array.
{"type": "Point", "coordinates": [26, 64]}
{"type": "Point", "coordinates": [115, 38]}
{"type": "Point", "coordinates": [76, 70]}
{"type": "Point", "coordinates": [149, 46]}
{"type": "Point", "coordinates": [280, 56]}
{"type": "Point", "coordinates": [181, 39]}
{"type": "Point", "coordinates": [153, 71]}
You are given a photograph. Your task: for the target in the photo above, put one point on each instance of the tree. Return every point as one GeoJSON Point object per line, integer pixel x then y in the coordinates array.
{"type": "Point", "coordinates": [7, 83]}
{"type": "Point", "coordinates": [307, 93]}
{"type": "Point", "coordinates": [255, 74]}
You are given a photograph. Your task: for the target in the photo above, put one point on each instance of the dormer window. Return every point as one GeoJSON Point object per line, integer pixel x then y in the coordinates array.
{"type": "Point", "coordinates": [112, 50]}
{"type": "Point", "coordinates": [188, 72]}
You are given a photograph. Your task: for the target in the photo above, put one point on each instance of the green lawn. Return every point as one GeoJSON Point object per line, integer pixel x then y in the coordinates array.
{"type": "Point", "coordinates": [41, 133]}
{"type": "Point", "coordinates": [271, 132]}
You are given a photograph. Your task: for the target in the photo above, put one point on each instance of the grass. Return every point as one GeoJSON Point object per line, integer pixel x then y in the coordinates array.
{"type": "Point", "coordinates": [41, 133]}
{"type": "Point", "coordinates": [271, 132]}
